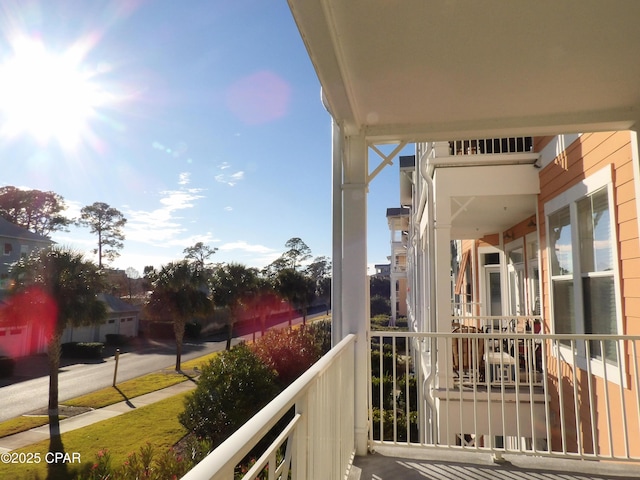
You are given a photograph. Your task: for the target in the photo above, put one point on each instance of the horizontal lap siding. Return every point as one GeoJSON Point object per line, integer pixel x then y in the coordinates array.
{"type": "Point", "coordinates": [587, 155]}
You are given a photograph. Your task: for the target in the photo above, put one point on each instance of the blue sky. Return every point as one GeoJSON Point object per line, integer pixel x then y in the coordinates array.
{"type": "Point", "coordinates": [199, 120]}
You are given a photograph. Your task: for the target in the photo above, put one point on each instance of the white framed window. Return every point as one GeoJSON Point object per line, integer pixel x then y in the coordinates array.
{"type": "Point", "coordinates": [583, 265]}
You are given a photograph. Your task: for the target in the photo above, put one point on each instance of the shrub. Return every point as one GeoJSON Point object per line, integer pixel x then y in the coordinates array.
{"type": "Point", "coordinates": [379, 321]}
{"type": "Point", "coordinates": [82, 350]}
{"type": "Point", "coordinates": [117, 339]}
{"type": "Point", "coordinates": [7, 366]}
{"type": "Point", "coordinates": [232, 388]}
{"type": "Point", "coordinates": [380, 305]}
{"type": "Point", "coordinates": [288, 352]}
{"type": "Point", "coordinates": [192, 330]}
{"type": "Point", "coordinates": [321, 333]}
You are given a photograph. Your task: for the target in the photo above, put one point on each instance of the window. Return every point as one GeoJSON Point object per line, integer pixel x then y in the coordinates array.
{"type": "Point", "coordinates": [533, 277]}
{"type": "Point", "coordinates": [583, 260]}
{"type": "Point", "coordinates": [8, 248]}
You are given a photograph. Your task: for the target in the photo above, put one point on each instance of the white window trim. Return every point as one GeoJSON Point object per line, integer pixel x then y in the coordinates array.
{"type": "Point", "coordinates": [602, 178]}
{"type": "Point", "coordinates": [532, 263]}
{"type": "Point", "coordinates": [508, 248]}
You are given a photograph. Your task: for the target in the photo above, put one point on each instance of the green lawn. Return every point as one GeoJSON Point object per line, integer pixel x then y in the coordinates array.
{"type": "Point", "coordinates": [22, 424]}
{"type": "Point", "coordinates": [156, 424]}
{"type": "Point", "coordinates": [129, 389]}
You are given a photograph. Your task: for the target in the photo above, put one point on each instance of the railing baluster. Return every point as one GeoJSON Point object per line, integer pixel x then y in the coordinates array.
{"type": "Point", "coordinates": [634, 355]}
{"type": "Point", "coordinates": [606, 397]}
{"type": "Point", "coordinates": [592, 411]}
{"type": "Point", "coordinates": [394, 355]}
{"type": "Point", "coordinates": [623, 405]}
{"type": "Point", "coordinates": [563, 430]}
{"type": "Point", "coordinates": [576, 398]}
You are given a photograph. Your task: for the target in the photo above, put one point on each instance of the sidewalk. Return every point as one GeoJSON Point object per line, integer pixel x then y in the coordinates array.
{"type": "Point", "coordinates": [34, 435]}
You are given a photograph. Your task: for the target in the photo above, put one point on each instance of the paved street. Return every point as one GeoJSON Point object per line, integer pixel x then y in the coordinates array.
{"type": "Point", "coordinates": [80, 378]}
{"type": "Point", "coordinates": [32, 393]}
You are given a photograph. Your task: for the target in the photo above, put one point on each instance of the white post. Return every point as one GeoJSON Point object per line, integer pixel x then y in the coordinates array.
{"type": "Point", "coordinates": [336, 212]}
{"type": "Point", "coordinates": [355, 282]}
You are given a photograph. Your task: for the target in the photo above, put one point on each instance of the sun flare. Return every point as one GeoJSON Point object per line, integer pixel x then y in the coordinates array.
{"type": "Point", "coordinates": [47, 95]}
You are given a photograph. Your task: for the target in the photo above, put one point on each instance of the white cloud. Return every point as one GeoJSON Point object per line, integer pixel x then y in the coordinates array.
{"type": "Point", "coordinates": [161, 226]}
{"type": "Point", "coordinates": [255, 255]}
{"type": "Point", "coordinates": [185, 178]}
{"type": "Point", "coordinates": [230, 179]}
{"type": "Point", "coordinates": [228, 209]}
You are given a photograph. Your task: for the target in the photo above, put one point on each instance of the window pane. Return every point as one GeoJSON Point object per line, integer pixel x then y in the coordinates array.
{"type": "Point", "coordinates": [563, 307]}
{"type": "Point", "coordinates": [594, 224]}
{"type": "Point", "coordinates": [560, 242]}
{"type": "Point", "coordinates": [495, 293]}
{"type": "Point", "coordinates": [600, 313]}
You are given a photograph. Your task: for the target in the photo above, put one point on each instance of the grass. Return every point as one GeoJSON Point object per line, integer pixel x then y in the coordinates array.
{"type": "Point", "coordinates": [127, 390]}
{"type": "Point", "coordinates": [110, 395]}
{"type": "Point", "coordinates": [156, 424]}
{"type": "Point", "coordinates": [22, 424]}
{"type": "Point", "coordinates": [198, 362]}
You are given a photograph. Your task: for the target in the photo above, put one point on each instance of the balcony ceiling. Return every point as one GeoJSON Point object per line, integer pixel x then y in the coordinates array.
{"type": "Point", "coordinates": [449, 69]}
{"type": "Point", "coordinates": [489, 214]}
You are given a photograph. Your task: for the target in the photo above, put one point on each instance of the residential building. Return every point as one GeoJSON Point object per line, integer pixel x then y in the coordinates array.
{"type": "Point", "coordinates": [20, 340]}
{"type": "Point", "coordinates": [524, 198]}
{"type": "Point", "coordinates": [382, 270]}
{"type": "Point", "coordinates": [398, 220]}
{"type": "Point", "coordinates": [16, 242]}
{"type": "Point", "coordinates": [122, 319]}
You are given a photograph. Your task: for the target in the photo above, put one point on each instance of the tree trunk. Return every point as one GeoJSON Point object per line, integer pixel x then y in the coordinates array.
{"type": "Point", "coordinates": [54, 367]}
{"type": "Point", "coordinates": [229, 335]}
{"type": "Point", "coordinates": [55, 470]}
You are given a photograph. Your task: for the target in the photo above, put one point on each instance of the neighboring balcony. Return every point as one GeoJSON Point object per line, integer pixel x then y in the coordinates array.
{"type": "Point", "coordinates": [546, 396]}
{"type": "Point", "coordinates": [488, 146]}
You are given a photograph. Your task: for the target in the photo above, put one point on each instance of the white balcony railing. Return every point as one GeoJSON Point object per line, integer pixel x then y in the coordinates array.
{"type": "Point", "coordinates": [318, 440]}
{"type": "Point", "coordinates": [485, 146]}
{"type": "Point", "coordinates": [507, 392]}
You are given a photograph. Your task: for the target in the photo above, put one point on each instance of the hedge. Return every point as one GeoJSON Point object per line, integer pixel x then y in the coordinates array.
{"type": "Point", "coordinates": [82, 350]}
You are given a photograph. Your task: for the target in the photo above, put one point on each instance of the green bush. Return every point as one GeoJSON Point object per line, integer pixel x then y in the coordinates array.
{"type": "Point", "coordinates": [192, 330]}
{"type": "Point", "coordinates": [380, 305]}
{"type": "Point", "coordinates": [232, 388]}
{"type": "Point", "coordinates": [7, 365]}
{"type": "Point", "coordinates": [401, 425]}
{"type": "Point", "coordinates": [379, 321]}
{"type": "Point", "coordinates": [82, 350]}
{"type": "Point", "coordinates": [288, 352]}
{"type": "Point", "coordinates": [321, 333]}
{"type": "Point", "coordinates": [117, 339]}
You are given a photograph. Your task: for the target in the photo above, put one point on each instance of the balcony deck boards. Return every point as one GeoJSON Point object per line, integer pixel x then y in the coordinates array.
{"type": "Point", "coordinates": [392, 463]}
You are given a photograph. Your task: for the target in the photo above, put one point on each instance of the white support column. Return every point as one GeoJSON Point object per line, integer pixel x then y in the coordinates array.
{"type": "Point", "coordinates": [336, 212]}
{"type": "Point", "coordinates": [394, 296]}
{"type": "Point", "coordinates": [442, 279]}
{"type": "Point", "coordinates": [355, 282]}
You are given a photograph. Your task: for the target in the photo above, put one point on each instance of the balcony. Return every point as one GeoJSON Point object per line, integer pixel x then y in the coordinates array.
{"type": "Point", "coordinates": [487, 146]}
{"type": "Point", "coordinates": [437, 398]}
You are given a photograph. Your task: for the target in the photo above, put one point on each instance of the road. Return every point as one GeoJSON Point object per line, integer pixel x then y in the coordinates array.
{"type": "Point", "coordinates": [81, 378]}
{"type": "Point", "coordinates": [77, 379]}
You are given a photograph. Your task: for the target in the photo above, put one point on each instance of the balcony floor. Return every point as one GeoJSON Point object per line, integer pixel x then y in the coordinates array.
{"type": "Point", "coordinates": [392, 463]}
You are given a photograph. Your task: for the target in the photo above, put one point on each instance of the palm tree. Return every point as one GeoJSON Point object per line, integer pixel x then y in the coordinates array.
{"type": "Point", "coordinates": [56, 287]}
{"type": "Point", "coordinates": [233, 286]}
{"type": "Point", "coordinates": [179, 293]}
{"type": "Point", "coordinates": [297, 288]}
